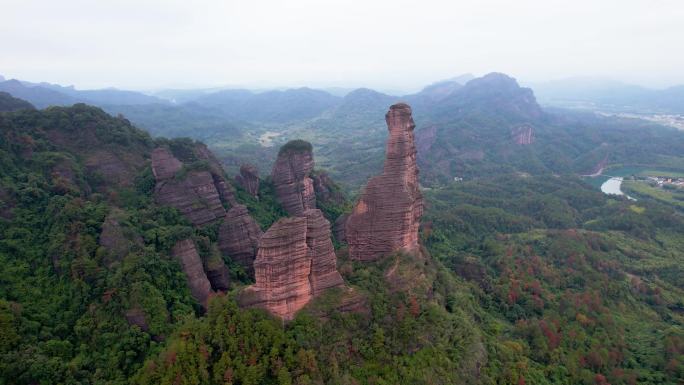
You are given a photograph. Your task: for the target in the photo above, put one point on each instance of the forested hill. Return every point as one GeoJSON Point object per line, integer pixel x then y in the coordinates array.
{"type": "Point", "coordinates": [522, 279]}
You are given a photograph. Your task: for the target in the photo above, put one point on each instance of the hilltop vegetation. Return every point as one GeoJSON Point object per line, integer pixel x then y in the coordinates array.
{"type": "Point", "coordinates": [525, 278]}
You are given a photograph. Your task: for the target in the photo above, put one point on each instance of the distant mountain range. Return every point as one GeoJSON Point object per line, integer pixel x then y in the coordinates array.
{"type": "Point", "coordinates": [466, 127]}
{"type": "Point", "coordinates": [45, 94]}
{"type": "Point", "coordinates": [591, 93]}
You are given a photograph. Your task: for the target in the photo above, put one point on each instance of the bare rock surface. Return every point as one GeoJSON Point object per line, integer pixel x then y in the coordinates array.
{"type": "Point", "coordinates": [291, 178]}
{"type": "Point", "coordinates": [295, 262]}
{"type": "Point", "coordinates": [186, 252]}
{"type": "Point", "coordinates": [523, 134]}
{"type": "Point", "coordinates": [387, 216]}
{"type": "Point", "coordinates": [195, 196]}
{"type": "Point", "coordinates": [248, 179]}
{"type": "Point", "coordinates": [239, 237]}
{"type": "Point", "coordinates": [164, 164]}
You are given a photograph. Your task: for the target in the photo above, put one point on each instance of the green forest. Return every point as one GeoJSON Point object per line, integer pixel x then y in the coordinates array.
{"type": "Point", "coordinates": [532, 278]}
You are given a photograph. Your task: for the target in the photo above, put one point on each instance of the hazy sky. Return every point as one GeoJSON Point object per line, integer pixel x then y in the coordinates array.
{"type": "Point", "coordinates": [391, 44]}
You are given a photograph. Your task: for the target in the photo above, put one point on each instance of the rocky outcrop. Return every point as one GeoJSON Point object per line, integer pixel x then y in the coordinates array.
{"type": "Point", "coordinates": [191, 263]}
{"type": "Point", "coordinates": [326, 189]}
{"type": "Point", "coordinates": [387, 216]}
{"type": "Point", "coordinates": [339, 228]}
{"type": "Point", "coordinates": [217, 273]}
{"type": "Point", "coordinates": [295, 262]}
{"type": "Point", "coordinates": [164, 164]}
{"type": "Point", "coordinates": [113, 239]}
{"type": "Point", "coordinates": [324, 274]}
{"type": "Point", "coordinates": [239, 237]}
{"type": "Point", "coordinates": [195, 194]}
{"type": "Point", "coordinates": [523, 134]}
{"type": "Point", "coordinates": [225, 190]}
{"type": "Point", "coordinates": [248, 179]}
{"type": "Point", "coordinates": [290, 175]}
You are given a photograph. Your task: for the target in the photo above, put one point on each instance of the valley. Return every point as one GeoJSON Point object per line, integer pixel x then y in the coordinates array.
{"type": "Point", "coordinates": [348, 240]}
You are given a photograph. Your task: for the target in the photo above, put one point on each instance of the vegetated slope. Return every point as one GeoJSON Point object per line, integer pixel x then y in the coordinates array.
{"type": "Point", "coordinates": [10, 103]}
{"type": "Point", "coordinates": [524, 279]}
{"type": "Point", "coordinates": [493, 126]}
{"type": "Point", "coordinates": [45, 94]}
{"type": "Point", "coordinates": [87, 286]}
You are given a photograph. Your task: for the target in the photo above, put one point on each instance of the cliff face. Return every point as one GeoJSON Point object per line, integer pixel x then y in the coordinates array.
{"type": "Point", "coordinates": [293, 186]}
{"type": "Point", "coordinates": [195, 195]}
{"type": "Point", "coordinates": [387, 216]}
{"type": "Point", "coordinates": [523, 134]}
{"type": "Point", "coordinates": [186, 252]}
{"type": "Point", "coordinates": [294, 263]}
{"type": "Point", "coordinates": [248, 179]}
{"type": "Point", "coordinates": [239, 237]}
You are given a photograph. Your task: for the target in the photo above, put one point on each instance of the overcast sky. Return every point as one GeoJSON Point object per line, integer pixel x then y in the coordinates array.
{"type": "Point", "coordinates": [390, 44]}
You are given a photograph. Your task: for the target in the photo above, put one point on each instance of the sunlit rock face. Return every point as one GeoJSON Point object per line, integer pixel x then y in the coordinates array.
{"type": "Point", "coordinates": [295, 262]}
{"type": "Point", "coordinates": [387, 216]}
{"type": "Point", "coordinates": [191, 263]}
{"type": "Point", "coordinates": [291, 178]}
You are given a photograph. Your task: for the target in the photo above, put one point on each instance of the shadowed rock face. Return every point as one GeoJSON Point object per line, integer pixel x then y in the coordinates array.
{"type": "Point", "coordinates": [248, 179]}
{"type": "Point", "coordinates": [239, 237]}
{"type": "Point", "coordinates": [387, 216]}
{"type": "Point", "coordinates": [164, 164]}
{"type": "Point", "coordinates": [295, 262]}
{"type": "Point", "coordinates": [186, 252]}
{"type": "Point", "coordinates": [225, 190]}
{"type": "Point", "coordinates": [293, 186]}
{"type": "Point", "coordinates": [324, 274]}
{"type": "Point", "coordinates": [218, 274]}
{"type": "Point", "coordinates": [197, 195]}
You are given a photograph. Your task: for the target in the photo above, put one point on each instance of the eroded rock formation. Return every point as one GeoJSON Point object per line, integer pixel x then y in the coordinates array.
{"type": "Point", "coordinates": [293, 186]}
{"type": "Point", "coordinates": [248, 179]}
{"type": "Point", "coordinates": [191, 263]}
{"type": "Point", "coordinates": [195, 194]}
{"type": "Point", "coordinates": [387, 216]}
{"type": "Point", "coordinates": [239, 237]}
{"type": "Point", "coordinates": [164, 164]}
{"type": "Point", "coordinates": [326, 189]}
{"type": "Point", "coordinates": [523, 134]}
{"type": "Point", "coordinates": [295, 262]}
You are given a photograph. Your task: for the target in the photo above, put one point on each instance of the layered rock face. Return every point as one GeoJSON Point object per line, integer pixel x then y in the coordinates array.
{"type": "Point", "coordinates": [196, 195]}
{"type": "Point", "coordinates": [239, 237]}
{"type": "Point", "coordinates": [324, 274]}
{"type": "Point", "coordinates": [248, 179]}
{"type": "Point", "coordinates": [295, 262]}
{"type": "Point", "coordinates": [293, 186]}
{"type": "Point", "coordinates": [186, 252]}
{"type": "Point", "coordinates": [387, 216]}
{"type": "Point", "coordinates": [523, 134]}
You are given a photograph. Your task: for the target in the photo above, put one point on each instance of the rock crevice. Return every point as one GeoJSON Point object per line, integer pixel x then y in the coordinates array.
{"type": "Point", "coordinates": [295, 262]}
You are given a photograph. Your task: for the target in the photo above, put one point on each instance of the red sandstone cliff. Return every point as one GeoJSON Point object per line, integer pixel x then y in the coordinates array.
{"type": "Point", "coordinates": [186, 252]}
{"type": "Point", "coordinates": [195, 195]}
{"type": "Point", "coordinates": [239, 237]}
{"type": "Point", "coordinates": [293, 186]}
{"type": "Point", "coordinates": [523, 134]}
{"type": "Point", "coordinates": [248, 179]}
{"type": "Point", "coordinates": [387, 216]}
{"type": "Point", "coordinates": [295, 262]}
